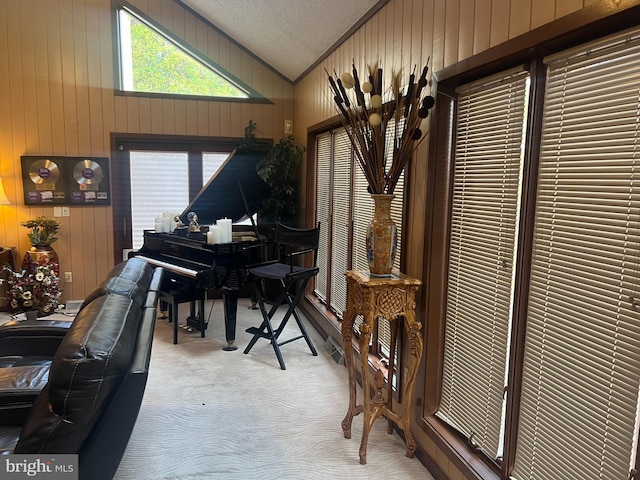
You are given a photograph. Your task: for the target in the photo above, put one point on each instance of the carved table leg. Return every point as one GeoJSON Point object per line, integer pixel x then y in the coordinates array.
{"type": "Point", "coordinates": [347, 331]}
{"type": "Point", "coordinates": [415, 353]}
{"type": "Point", "coordinates": [365, 337]}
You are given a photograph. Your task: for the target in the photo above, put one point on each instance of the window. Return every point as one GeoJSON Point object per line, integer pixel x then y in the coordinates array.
{"type": "Point", "coordinates": [344, 209]}
{"type": "Point", "coordinates": [151, 60]}
{"type": "Point", "coordinates": [154, 175]}
{"type": "Point", "coordinates": [541, 366]}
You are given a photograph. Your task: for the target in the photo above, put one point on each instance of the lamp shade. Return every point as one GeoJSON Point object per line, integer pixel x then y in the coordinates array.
{"type": "Point", "coordinates": [3, 196]}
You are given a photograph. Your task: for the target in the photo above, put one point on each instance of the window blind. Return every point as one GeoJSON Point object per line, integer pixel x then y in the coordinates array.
{"type": "Point", "coordinates": [582, 356]}
{"type": "Point", "coordinates": [323, 186]}
{"type": "Point", "coordinates": [147, 200]}
{"type": "Point", "coordinates": [487, 176]}
{"type": "Point", "coordinates": [342, 171]}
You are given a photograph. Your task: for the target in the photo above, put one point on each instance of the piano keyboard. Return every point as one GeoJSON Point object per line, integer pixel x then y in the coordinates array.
{"type": "Point", "coordinates": [170, 266]}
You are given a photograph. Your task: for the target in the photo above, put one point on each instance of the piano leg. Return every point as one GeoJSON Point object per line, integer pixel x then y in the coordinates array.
{"type": "Point", "coordinates": [230, 297]}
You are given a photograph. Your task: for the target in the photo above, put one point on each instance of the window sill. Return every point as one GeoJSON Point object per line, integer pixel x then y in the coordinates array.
{"type": "Point", "coordinates": [458, 452]}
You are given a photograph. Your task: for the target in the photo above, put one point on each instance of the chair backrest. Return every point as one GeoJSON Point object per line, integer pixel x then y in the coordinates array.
{"type": "Point", "coordinates": [290, 238]}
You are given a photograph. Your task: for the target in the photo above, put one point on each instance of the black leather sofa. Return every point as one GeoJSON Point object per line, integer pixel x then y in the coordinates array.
{"type": "Point", "coordinates": [94, 381]}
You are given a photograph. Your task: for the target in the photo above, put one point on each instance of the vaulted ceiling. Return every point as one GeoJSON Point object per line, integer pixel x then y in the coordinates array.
{"type": "Point", "coordinates": [289, 35]}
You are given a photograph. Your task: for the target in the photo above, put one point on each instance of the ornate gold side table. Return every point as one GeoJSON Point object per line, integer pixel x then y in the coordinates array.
{"type": "Point", "coordinates": [392, 298]}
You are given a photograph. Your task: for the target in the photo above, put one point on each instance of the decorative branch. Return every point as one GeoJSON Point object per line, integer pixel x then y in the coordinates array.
{"type": "Point", "coordinates": [366, 120]}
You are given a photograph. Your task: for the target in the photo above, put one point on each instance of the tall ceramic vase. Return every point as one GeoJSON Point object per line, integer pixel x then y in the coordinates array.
{"type": "Point", "coordinates": [41, 255]}
{"type": "Point", "coordinates": [382, 237]}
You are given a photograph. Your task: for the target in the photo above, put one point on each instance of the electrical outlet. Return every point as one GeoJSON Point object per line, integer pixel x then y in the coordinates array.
{"type": "Point", "coordinates": [65, 211]}
{"type": "Point", "coordinates": [57, 211]}
{"type": "Point", "coordinates": [68, 277]}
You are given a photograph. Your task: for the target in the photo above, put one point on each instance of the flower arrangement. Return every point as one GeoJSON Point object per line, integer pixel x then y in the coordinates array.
{"type": "Point", "coordinates": [43, 230]}
{"type": "Point", "coordinates": [369, 112]}
{"type": "Point", "coordinates": [36, 288]}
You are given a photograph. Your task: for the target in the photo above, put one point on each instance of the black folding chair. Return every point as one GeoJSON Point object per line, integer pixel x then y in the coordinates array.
{"type": "Point", "coordinates": [291, 276]}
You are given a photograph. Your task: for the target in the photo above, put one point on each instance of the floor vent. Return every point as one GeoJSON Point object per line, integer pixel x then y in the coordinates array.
{"type": "Point", "coordinates": [335, 350]}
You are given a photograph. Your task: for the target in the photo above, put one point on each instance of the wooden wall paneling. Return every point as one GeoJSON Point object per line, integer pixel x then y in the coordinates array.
{"type": "Point", "coordinates": [104, 243]}
{"type": "Point", "coordinates": [427, 32]}
{"type": "Point", "coordinates": [202, 113]}
{"type": "Point", "coordinates": [386, 59]}
{"type": "Point", "coordinates": [213, 45]}
{"type": "Point", "coordinates": [63, 248]}
{"type": "Point", "coordinates": [466, 29]}
{"type": "Point", "coordinates": [54, 56]}
{"type": "Point", "coordinates": [215, 114]}
{"type": "Point", "coordinates": [418, 56]}
{"type": "Point", "coordinates": [276, 95]}
{"type": "Point", "coordinates": [191, 30]}
{"type": "Point", "coordinates": [451, 31]}
{"type": "Point", "coordinates": [500, 12]}
{"type": "Point", "coordinates": [542, 12]}
{"type": "Point", "coordinates": [94, 246]}
{"type": "Point", "coordinates": [565, 7]}
{"type": "Point", "coordinates": [520, 17]}
{"type": "Point", "coordinates": [69, 78]}
{"type": "Point", "coordinates": [15, 103]}
{"type": "Point", "coordinates": [157, 119]}
{"type": "Point", "coordinates": [42, 94]}
{"type": "Point", "coordinates": [143, 108]}
{"type": "Point", "coordinates": [29, 77]}
{"type": "Point", "coordinates": [398, 56]}
{"type": "Point", "coordinates": [99, 144]}
{"type": "Point", "coordinates": [404, 59]}
{"type": "Point", "coordinates": [236, 124]}
{"type": "Point", "coordinates": [379, 24]}
{"type": "Point", "coordinates": [224, 120]}
{"type": "Point", "coordinates": [438, 35]}
{"type": "Point", "coordinates": [132, 111]}
{"type": "Point", "coordinates": [166, 13]}
{"type": "Point", "coordinates": [80, 40]}
{"type": "Point", "coordinates": [168, 112]}
{"type": "Point", "coordinates": [192, 117]}
{"type": "Point", "coordinates": [107, 74]}
{"type": "Point", "coordinates": [120, 113]}
{"type": "Point", "coordinates": [202, 37]}
{"type": "Point", "coordinates": [177, 26]}
{"type": "Point", "coordinates": [180, 117]}
{"type": "Point", "coordinates": [482, 26]}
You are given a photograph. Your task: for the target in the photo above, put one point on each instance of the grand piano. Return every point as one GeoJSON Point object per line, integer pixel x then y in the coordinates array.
{"type": "Point", "coordinates": [235, 191]}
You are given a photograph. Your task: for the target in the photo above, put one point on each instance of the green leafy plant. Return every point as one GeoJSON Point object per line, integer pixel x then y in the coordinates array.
{"type": "Point", "coordinates": [43, 230]}
{"type": "Point", "coordinates": [279, 169]}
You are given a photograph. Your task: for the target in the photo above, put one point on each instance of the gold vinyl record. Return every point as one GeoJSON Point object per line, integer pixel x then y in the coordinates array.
{"type": "Point", "coordinates": [44, 171]}
{"type": "Point", "coordinates": [88, 172]}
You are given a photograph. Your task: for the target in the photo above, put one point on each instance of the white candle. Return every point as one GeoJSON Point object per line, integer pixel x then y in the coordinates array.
{"type": "Point", "coordinates": [158, 222]}
{"type": "Point", "coordinates": [214, 231]}
{"type": "Point", "coordinates": [225, 230]}
{"type": "Point", "coordinates": [166, 224]}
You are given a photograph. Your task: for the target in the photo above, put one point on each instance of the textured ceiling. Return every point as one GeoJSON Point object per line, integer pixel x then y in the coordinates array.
{"type": "Point", "coordinates": [289, 35]}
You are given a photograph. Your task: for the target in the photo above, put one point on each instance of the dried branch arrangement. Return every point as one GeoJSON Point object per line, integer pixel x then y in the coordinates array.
{"type": "Point", "coordinates": [377, 120]}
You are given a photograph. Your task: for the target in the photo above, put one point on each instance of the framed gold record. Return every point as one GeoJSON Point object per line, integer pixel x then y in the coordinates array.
{"type": "Point", "coordinates": [66, 180]}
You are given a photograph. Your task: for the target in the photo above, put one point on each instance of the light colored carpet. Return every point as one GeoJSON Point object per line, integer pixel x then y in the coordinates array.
{"type": "Point", "coordinates": [210, 414]}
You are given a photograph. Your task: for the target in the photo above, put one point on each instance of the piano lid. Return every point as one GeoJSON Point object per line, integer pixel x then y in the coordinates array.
{"type": "Point", "coordinates": [222, 195]}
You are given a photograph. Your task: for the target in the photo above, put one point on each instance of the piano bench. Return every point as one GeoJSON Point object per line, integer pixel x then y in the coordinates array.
{"type": "Point", "coordinates": [175, 297]}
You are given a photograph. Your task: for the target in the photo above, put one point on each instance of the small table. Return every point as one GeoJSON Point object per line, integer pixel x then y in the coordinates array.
{"type": "Point", "coordinates": [391, 298]}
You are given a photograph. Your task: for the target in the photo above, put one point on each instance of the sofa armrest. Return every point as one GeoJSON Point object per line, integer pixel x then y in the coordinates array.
{"type": "Point", "coordinates": [31, 340]}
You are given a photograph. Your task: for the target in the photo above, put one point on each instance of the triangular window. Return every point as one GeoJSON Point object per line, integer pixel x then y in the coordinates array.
{"type": "Point", "coordinates": [153, 61]}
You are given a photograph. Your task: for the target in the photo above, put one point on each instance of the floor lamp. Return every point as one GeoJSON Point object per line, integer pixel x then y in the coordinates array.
{"type": "Point", "coordinates": [3, 198]}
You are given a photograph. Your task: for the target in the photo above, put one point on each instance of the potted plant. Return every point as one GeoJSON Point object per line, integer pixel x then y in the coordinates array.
{"type": "Point", "coordinates": [42, 235]}
{"type": "Point", "coordinates": [279, 170]}
{"type": "Point", "coordinates": [43, 230]}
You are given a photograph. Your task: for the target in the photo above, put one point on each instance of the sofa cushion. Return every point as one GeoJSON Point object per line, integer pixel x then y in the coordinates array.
{"type": "Point", "coordinates": [86, 370]}
{"type": "Point", "coordinates": [130, 278]}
